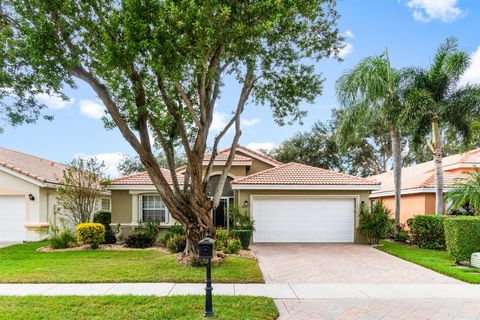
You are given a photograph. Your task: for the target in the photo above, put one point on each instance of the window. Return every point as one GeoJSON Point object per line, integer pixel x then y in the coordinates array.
{"type": "Point", "coordinates": [106, 204]}
{"type": "Point", "coordinates": [152, 208]}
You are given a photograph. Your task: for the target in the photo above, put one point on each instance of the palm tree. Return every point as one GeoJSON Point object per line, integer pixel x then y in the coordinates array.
{"type": "Point", "coordinates": [466, 192]}
{"type": "Point", "coordinates": [371, 97]}
{"type": "Point", "coordinates": [435, 102]}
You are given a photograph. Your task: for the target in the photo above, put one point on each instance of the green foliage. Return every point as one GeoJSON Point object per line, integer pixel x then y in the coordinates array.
{"type": "Point", "coordinates": [105, 218]}
{"type": "Point", "coordinates": [244, 236]}
{"type": "Point", "coordinates": [62, 239]}
{"type": "Point", "coordinates": [374, 223]}
{"type": "Point", "coordinates": [466, 192]}
{"type": "Point", "coordinates": [140, 240]}
{"type": "Point", "coordinates": [92, 234]}
{"type": "Point", "coordinates": [80, 188]}
{"type": "Point", "coordinates": [151, 228]}
{"type": "Point", "coordinates": [221, 237]}
{"type": "Point", "coordinates": [176, 243]}
{"type": "Point", "coordinates": [233, 246]}
{"type": "Point", "coordinates": [462, 235]}
{"type": "Point", "coordinates": [400, 234]}
{"type": "Point", "coordinates": [239, 220]}
{"type": "Point", "coordinates": [176, 229]}
{"type": "Point", "coordinates": [427, 231]}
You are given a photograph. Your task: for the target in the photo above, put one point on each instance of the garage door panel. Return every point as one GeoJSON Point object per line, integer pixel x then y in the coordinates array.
{"type": "Point", "coordinates": [296, 219]}
{"type": "Point", "coordinates": [12, 218]}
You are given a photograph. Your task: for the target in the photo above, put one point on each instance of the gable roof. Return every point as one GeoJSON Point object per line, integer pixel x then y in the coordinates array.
{"type": "Point", "coordinates": [30, 167]}
{"type": "Point", "coordinates": [301, 175]}
{"type": "Point", "coordinates": [143, 178]}
{"type": "Point", "coordinates": [422, 175]}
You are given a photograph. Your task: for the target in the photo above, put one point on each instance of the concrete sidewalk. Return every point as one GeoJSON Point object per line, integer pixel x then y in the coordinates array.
{"type": "Point", "coordinates": [276, 291]}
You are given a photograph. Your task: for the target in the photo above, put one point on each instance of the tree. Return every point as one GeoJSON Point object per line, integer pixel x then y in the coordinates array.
{"type": "Point", "coordinates": [371, 96]}
{"type": "Point", "coordinates": [435, 102]}
{"type": "Point", "coordinates": [159, 68]}
{"type": "Point", "coordinates": [81, 187]}
{"type": "Point", "coordinates": [129, 165]}
{"type": "Point", "coordinates": [466, 192]}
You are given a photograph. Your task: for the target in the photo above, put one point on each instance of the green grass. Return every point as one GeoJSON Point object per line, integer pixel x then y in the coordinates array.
{"type": "Point", "coordinates": [437, 260]}
{"type": "Point", "coordinates": [23, 264]}
{"type": "Point", "coordinates": [133, 307]}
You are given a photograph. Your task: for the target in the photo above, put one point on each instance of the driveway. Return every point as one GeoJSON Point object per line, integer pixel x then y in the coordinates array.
{"type": "Point", "coordinates": [339, 263]}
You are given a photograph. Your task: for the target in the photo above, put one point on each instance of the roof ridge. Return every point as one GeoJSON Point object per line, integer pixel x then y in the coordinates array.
{"type": "Point", "coordinates": [469, 153]}
{"type": "Point", "coordinates": [261, 172]}
{"type": "Point", "coordinates": [259, 154]}
{"type": "Point", "coordinates": [341, 173]}
{"type": "Point", "coordinates": [34, 156]}
{"type": "Point", "coordinates": [131, 175]}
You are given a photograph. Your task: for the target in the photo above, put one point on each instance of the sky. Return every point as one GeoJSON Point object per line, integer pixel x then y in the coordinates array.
{"type": "Point", "coordinates": [410, 29]}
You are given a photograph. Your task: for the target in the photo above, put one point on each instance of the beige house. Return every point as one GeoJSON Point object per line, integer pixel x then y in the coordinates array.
{"type": "Point", "coordinates": [289, 202]}
{"type": "Point", "coordinates": [28, 190]}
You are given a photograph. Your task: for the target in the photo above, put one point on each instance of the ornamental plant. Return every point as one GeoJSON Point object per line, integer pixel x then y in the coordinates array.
{"type": "Point", "coordinates": [374, 223]}
{"type": "Point", "coordinates": [427, 231]}
{"type": "Point", "coordinates": [91, 233]}
{"type": "Point", "coordinates": [462, 235]}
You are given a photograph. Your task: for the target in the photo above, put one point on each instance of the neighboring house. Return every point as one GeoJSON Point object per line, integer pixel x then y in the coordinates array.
{"type": "Point", "coordinates": [289, 202]}
{"type": "Point", "coordinates": [28, 190]}
{"type": "Point", "coordinates": [418, 183]}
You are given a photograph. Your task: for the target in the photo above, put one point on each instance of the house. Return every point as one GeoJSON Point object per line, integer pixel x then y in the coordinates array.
{"type": "Point", "coordinates": [289, 202]}
{"type": "Point", "coordinates": [28, 190]}
{"type": "Point", "coordinates": [418, 183]}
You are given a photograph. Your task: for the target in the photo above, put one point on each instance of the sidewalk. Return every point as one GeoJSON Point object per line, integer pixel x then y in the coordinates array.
{"type": "Point", "coordinates": [276, 291]}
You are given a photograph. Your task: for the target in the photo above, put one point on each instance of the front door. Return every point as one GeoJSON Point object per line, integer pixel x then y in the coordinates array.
{"type": "Point", "coordinates": [220, 214]}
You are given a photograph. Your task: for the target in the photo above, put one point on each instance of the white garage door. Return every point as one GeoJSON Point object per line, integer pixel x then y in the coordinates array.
{"type": "Point", "coordinates": [296, 219]}
{"type": "Point", "coordinates": [12, 218]}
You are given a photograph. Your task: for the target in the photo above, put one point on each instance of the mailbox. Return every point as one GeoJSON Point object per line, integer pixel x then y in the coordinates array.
{"type": "Point", "coordinates": [205, 248]}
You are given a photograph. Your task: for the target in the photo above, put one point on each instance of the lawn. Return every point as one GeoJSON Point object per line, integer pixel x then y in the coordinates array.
{"type": "Point", "coordinates": [439, 261]}
{"type": "Point", "coordinates": [23, 264]}
{"type": "Point", "coordinates": [134, 307]}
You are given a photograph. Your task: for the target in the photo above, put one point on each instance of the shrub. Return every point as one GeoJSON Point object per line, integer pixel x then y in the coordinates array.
{"type": "Point", "coordinates": [240, 221]}
{"type": "Point", "coordinates": [221, 237]}
{"type": "Point", "coordinates": [91, 233]}
{"type": "Point", "coordinates": [374, 223]}
{"type": "Point", "coordinates": [140, 240]}
{"type": "Point", "coordinates": [62, 239]}
{"type": "Point", "coordinates": [462, 235]}
{"type": "Point", "coordinates": [173, 230]}
{"type": "Point", "coordinates": [105, 218]}
{"type": "Point", "coordinates": [233, 247]}
{"type": "Point", "coordinates": [399, 233]}
{"type": "Point", "coordinates": [244, 236]}
{"type": "Point", "coordinates": [176, 243]}
{"type": "Point", "coordinates": [150, 227]}
{"type": "Point", "coordinates": [427, 231]}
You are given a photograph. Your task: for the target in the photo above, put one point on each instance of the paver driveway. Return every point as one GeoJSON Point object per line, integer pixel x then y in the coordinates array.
{"type": "Point", "coordinates": [339, 263]}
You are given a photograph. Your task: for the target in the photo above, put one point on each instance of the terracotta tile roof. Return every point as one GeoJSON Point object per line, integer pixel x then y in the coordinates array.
{"type": "Point", "coordinates": [258, 154]}
{"type": "Point", "coordinates": [299, 174]}
{"type": "Point", "coordinates": [143, 178]}
{"type": "Point", "coordinates": [422, 175]}
{"type": "Point", "coordinates": [31, 166]}
{"type": "Point", "coordinates": [222, 156]}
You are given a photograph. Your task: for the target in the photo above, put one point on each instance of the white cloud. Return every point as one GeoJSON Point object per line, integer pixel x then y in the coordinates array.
{"type": "Point", "coordinates": [91, 109]}
{"type": "Point", "coordinates": [349, 34]}
{"type": "Point", "coordinates": [345, 51]}
{"type": "Point", "coordinates": [257, 146]}
{"type": "Point", "coordinates": [111, 161]}
{"type": "Point", "coordinates": [219, 121]}
{"type": "Point", "coordinates": [54, 102]}
{"type": "Point", "coordinates": [251, 122]}
{"type": "Point", "coordinates": [472, 75]}
{"type": "Point", "coordinates": [428, 10]}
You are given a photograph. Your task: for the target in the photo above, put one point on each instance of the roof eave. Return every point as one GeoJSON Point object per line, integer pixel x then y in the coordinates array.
{"type": "Point", "coordinates": [303, 187]}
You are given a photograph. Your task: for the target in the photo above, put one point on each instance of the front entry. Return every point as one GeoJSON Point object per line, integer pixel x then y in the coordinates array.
{"type": "Point", "coordinates": [220, 214]}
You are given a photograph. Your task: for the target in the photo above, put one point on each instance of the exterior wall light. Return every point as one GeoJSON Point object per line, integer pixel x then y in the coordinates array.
{"type": "Point", "coordinates": [31, 197]}
{"type": "Point", "coordinates": [245, 204]}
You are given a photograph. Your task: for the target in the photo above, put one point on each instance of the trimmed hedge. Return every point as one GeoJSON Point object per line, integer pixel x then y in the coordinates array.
{"type": "Point", "coordinates": [427, 231]}
{"type": "Point", "coordinates": [105, 218]}
{"type": "Point", "coordinates": [91, 233]}
{"type": "Point", "coordinates": [462, 235]}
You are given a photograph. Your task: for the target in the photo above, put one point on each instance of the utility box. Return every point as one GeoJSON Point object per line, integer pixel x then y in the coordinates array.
{"type": "Point", "coordinates": [475, 260]}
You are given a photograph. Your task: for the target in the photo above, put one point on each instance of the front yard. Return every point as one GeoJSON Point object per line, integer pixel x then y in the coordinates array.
{"type": "Point", "coordinates": [437, 260]}
{"type": "Point", "coordinates": [132, 307]}
{"type": "Point", "coordinates": [23, 264]}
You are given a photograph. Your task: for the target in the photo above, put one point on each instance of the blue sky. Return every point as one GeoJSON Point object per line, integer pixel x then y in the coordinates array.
{"type": "Point", "coordinates": [410, 29]}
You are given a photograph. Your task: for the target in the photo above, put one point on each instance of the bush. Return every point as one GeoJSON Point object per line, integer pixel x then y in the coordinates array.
{"type": "Point", "coordinates": [140, 240]}
{"type": "Point", "coordinates": [244, 236]}
{"type": "Point", "coordinates": [374, 223]}
{"type": "Point", "coordinates": [427, 231]}
{"type": "Point", "coordinates": [399, 233]}
{"type": "Point", "coordinates": [150, 227]}
{"type": "Point", "coordinates": [173, 230]}
{"type": "Point", "coordinates": [105, 218]}
{"type": "Point", "coordinates": [221, 237]}
{"type": "Point", "coordinates": [240, 221]}
{"type": "Point", "coordinates": [233, 247]}
{"type": "Point", "coordinates": [176, 243]}
{"type": "Point", "coordinates": [91, 233]}
{"type": "Point", "coordinates": [62, 239]}
{"type": "Point", "coordinates": [462, 235]}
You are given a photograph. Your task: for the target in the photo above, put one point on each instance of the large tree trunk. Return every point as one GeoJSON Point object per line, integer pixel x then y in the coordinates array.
{"type": "Point", "coordinates": [437, 158]}
{"type": "Point", "coordinates": [397, 169]}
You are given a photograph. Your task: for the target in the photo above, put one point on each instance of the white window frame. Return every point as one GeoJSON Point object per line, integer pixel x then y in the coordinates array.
{"type": "Point", "coordinates": [109, 204]}
{"type": "Point", "coordinates": [140, 207]}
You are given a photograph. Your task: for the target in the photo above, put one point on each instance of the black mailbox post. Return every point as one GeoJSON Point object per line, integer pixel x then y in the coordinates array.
{"type": "Point", "coordinates": [205, 249]}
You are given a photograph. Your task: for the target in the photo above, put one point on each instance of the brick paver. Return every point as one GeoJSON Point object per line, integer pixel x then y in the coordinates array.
{"type": "Point", "coordinates": [339, 263]}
